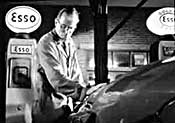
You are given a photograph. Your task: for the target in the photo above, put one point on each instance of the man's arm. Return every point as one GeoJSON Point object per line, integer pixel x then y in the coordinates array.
{"type": "Point", "coordinates": [48, 58]}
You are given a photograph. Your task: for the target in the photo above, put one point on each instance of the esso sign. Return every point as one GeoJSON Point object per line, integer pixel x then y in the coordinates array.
{"type": "Point", "coordinates": [162, 21]}
{"type": "Point", "coordinates": [23, 19]}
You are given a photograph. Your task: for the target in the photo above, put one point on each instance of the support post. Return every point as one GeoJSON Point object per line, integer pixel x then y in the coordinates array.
{"type": "Point", "coordinates": [101, 45]}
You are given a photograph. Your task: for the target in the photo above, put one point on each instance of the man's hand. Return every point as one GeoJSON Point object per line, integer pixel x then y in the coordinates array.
{"type": "Point", "coordinates": [84, 90]}
{"type": "Point", "coordinates": [83, 94]}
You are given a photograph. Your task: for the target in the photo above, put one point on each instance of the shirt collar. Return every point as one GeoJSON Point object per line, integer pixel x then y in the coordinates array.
{"type": "Point", "coordinates": [57, 39]}
{"type": "Point", "coordinates": [55, 35]}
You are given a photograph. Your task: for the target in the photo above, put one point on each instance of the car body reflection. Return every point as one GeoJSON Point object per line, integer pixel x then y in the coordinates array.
{"type": "Point", "coordinates": [144, 95]}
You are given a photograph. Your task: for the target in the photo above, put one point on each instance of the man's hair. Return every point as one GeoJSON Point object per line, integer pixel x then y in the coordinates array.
{"type": "Point", "coordinates": [69, 11]}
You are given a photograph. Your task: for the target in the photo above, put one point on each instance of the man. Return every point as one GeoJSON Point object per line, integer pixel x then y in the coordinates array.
{"type": "Point", "coordinates": [59, 68]}
{"type": "Point", "coordinates": [57, 55]}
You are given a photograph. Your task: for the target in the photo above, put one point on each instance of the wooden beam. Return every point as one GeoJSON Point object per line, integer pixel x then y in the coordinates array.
{"type": "Point", "coordinates": [125, 19]}
{"type": "Point", "coordinates": [50, 2]}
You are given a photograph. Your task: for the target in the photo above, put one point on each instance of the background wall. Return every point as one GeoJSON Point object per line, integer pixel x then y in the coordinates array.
{"type": "Point", "coordinates": [133, 32]}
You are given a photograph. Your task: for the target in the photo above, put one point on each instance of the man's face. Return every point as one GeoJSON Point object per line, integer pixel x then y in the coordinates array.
{"type": "Point", "coordinates": [65, 26]}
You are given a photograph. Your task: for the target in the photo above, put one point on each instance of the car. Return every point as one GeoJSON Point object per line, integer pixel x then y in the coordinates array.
{"type": "Point", "coordinates": [144, 95]}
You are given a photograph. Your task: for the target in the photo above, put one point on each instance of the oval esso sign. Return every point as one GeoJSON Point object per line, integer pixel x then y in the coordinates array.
{"type": "Point", "coordinates": [23, 19]}
{"type": "Point", "coordinates": [162, 21]}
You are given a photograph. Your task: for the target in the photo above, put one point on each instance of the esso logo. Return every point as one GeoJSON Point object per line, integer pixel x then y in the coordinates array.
{"type": "Point", "coordinates": [162, 21]}
{"type": "Point", "coordinates": [167, 19]}
{"type": "Point", "coordinates": [23, 19]}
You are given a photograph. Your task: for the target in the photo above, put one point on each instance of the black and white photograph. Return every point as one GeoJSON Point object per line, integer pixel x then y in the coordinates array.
{"type": "Point", "coordinates": [87, 61]}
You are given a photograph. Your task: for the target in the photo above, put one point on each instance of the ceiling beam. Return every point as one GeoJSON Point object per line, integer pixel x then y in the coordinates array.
{"type": "Point", "coordinates": [117, 3]}
{"type": "Point", "coordinates": [130, 14]}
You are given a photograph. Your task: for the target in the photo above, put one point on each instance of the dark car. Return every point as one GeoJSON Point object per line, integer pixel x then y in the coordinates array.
{"type": "Point", "coordinates": [144, 95]}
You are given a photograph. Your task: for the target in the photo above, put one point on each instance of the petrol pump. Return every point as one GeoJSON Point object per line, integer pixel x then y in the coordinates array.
{"type": "Point", "coordinates": [21, 64]}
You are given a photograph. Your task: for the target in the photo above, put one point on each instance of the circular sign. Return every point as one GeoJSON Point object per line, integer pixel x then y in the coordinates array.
{"type": "Point", "coordinates": [162, 21]}
{"type": "Point", "coordinates": [23, 19]}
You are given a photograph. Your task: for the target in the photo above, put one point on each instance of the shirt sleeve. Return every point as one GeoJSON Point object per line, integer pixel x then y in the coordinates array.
{"type": "Point", "coordinates": [77, 73]}
{"type": "Point", "coordinates": [48, 59]}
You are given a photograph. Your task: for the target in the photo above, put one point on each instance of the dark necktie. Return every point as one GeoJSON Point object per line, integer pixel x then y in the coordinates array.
{"type": "Point", "coordinates": [64, 47]}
